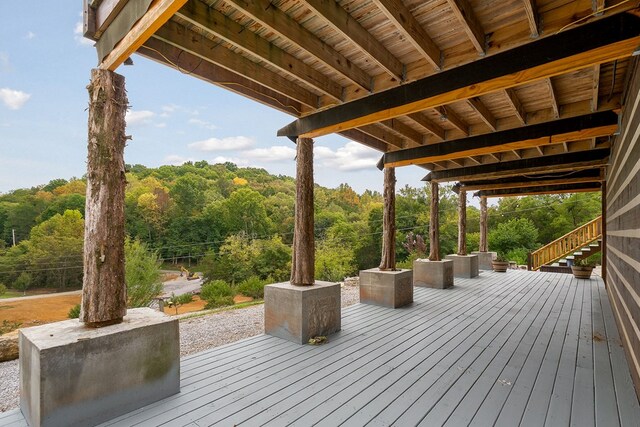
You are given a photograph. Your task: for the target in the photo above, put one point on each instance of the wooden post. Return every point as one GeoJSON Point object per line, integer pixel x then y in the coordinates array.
{"type": "Point", "coordinates": [603, 243]}
{"type": "Point", "coordinates": [434, 225]}
{"type": "Point", "coordinates": [484, 226]}
{"type": "Point", "coordinates": [104, 294]}
{"type": "Point", "coordinates": [462, 223]}
{"type": "Point", "coordinates": [388, 261]}
{"type": "Point", "coordinates": [303, 256]}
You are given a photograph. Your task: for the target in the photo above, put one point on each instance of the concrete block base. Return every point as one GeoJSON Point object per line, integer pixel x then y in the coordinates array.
{"type": "Point", "coordinates": [464, 266]}
{"type": "Point", "coordinates": [74, 375]}
{"type": "Point", "coordinates": [391, 289]}
{"type": "Point", "coordinates": [298, 313]}
{"type": "Point", "coordinates": [484, 259]}
{"type": "Point", "coordinates": [433, 274]}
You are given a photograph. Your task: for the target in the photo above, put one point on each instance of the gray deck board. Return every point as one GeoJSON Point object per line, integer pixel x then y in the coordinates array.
{"type": "Point", "coordinates": [501, 349]}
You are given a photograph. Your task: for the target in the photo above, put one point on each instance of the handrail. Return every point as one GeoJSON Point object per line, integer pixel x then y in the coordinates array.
{"type": "Point", "coordinates": [567, 244]}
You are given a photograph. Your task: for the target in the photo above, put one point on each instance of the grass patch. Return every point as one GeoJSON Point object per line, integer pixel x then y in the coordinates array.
{"type": "Point", "coordinates": [11, 294]}
{"type": "Point", "coordinates": [221, 309]}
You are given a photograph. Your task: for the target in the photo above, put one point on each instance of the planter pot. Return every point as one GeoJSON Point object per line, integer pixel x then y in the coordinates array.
{"type": "Point", "coordinates": [500, 266]}
{"type": "Point", "coordinates": [581, 272]}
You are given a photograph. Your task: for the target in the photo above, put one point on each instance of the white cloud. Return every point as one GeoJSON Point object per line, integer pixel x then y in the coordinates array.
{"type": "Point", "coordinates": [78, 32]}
{"type": "Point", "coordinates": [203, 123]}
{"type": "Point", "coordinates": [139, 117]}
{"type": "Point", "coordinates": [161, 125]}
{"type": "Point", "coordinates": [13, 99]}
{"type": "Point", "coordinates": [276, 153]}
{"type": "Point", "coordinates": [237, 161]}
{"type": "Point", "coordinates": [351, 157]}
{"type": "Point", "coordinates": [224, 144]}
{"type": "Point", "coordinates": [176, 160]}
{"type": "Point", "coordinates": [30, 35]}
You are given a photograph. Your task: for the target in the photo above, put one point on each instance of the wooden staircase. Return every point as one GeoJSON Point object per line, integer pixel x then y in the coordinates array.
{"type": "Point", "coordinates": [558, 255]}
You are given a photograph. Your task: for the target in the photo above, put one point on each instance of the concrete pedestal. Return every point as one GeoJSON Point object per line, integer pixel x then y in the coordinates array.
{"type": "Point", "coordinates": [298, 313]}
{"type": "Point", "coordinates": [391, 289]}
{"type": "Point", "coordinates": [464, 266]}
{"type": "Point", "coordinates": [74, 375]}
{"type": "Point", "coordinates": [484, 259]}
{"type": "Point", "coordinates": [433, 274]}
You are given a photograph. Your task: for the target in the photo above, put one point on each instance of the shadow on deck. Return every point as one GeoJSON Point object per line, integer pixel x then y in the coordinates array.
{"type": "Point", "coordinates": [522, 348]}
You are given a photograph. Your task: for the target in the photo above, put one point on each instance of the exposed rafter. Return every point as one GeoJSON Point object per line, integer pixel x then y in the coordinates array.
{"type": "Point", "coordinates": [513, 99]}
{"type": "Point", "coordinates": [426, 123]}
{"type": "Point", "coordinates": [486, 115]}
{"type": "Point", "coordinates": [555, 106]}
{"type": "Point", "coordinates": [364, 139]}
{"type": "Point", "coordinates": [557, 163]}
{"type": "Point", "coordinates": [531, 11]}
{"type": "Point", "coordinates": [446, 113]}
{"type": "Point", "coordinates": [581, 187]}
{"type": "Point", "coordinates": [555, 132]}
{"type": "Point", "coordinates": [378, 131]}
{"type": "Point", "coordinates": [588, 175]}
{"type": "Point", "coordinates": [218, 24]}
{"type": "Point", "coordinates": [406, 23]}
{"type": "Point", "coordinates": [467, 18]}
{"type": "Point", "coordinates": [595, 91]}
{"type": "Point", "coordinates": [597, 42]}
{"type": "Point", "coordinates": [350, 28]}
{"type": "Point", "coordinates": [279, 22]}
{"type": "Point", "coordinates": [414, 138]}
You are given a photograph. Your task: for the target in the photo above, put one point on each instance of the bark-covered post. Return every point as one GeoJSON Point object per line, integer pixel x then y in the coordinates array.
{"type": "Point", "coordinates": [434, 224]}
{"type": "Point", "coordinates": [303, 257]}
{"type": "Point", "coordinates": [388, 261]}
{"type": "Point", "coordinates": [462, 223]}
{"type": "Point", "coordinates": [484, 227]}
{"type": "Point", "coordinates": [104, 294]}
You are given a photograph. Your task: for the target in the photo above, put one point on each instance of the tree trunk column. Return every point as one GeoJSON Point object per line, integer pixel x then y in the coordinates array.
{"type": "Point", "coordinates": [434, 224]}
{"type": "Point", "coordinates": [388, 261]}
{"type": "Point", "coordinates": [484, 228]}
{"type": "Point", "coordinates": [462, 223]}
{"type": "Point", "coordinates": [104, 293]}
{"type": "Point", "coordinates": [303, 257]}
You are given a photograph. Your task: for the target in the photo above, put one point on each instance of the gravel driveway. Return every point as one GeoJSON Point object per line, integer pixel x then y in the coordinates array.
{"type": "Point", "coordinates": [196, 334]}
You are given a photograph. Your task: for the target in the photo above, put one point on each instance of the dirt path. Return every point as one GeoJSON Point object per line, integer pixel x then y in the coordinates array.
{"type": "Point", "coordinates": [36, 310]}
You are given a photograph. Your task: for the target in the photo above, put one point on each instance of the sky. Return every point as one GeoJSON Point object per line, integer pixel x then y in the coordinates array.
{"type": "Point", "coordinates": [45, 66]}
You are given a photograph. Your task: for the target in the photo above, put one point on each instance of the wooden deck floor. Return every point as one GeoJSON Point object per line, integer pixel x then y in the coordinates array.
{"type": "Point", "coordinates": [521, 348]}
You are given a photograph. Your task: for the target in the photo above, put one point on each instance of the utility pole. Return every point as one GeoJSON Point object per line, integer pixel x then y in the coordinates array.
{"type": "Point", "coordinates": [13, 232]}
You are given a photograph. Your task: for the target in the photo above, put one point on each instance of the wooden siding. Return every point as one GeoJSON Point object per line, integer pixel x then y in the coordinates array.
{"type": "Point", "coordinates": [623, 224]}
{"type": "Point", "coordinates": [521, 348]}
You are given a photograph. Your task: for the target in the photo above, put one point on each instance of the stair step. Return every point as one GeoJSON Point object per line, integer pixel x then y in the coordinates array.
{"type": "Point", "coordinates": [571, 257]}
{"type": "Point", "coordinates": [595, 245]}
{"type": "Point", "coordinates": [576, 253]}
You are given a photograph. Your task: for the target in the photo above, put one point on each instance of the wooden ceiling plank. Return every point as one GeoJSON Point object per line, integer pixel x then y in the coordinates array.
{"type": "Point", "coordinates": [556, 163]}
{"type": "Point", "coordinates": [601, 41]}
{"type": "Point", "coordinates": [172, 56]}
{"type": "Point", "coordinates": [279, 22]}
{"type": "Point", "coordinates": [580, 187]}
{"type": "Point", "coordinates": [486, 115]}
{"type": "Point", "coordinates": [408, 25]}
{"type": "Point", "coordinates": [158, 14]}
{"type": "Point", "coordinates": [587, 175]}
{"type": "Point", "coordinates": [192, 42]}
{"type": "Point", "coordinates": [423, 121]}
{"type": "Point", "coordinates": [595, 90]}
{"type": "Point", "coordinates": [105, 13]}
{"type": "Point", "coordinates": [350, 28]}
{"type": "Point", "coordinates": [554, 100]}
{"type": "Point", "coordinates": [218, 24]}
{"type": "Point", "coordinates": [531, 11]}
{"type": "Point", "coordinates": [467, 18]}
{"type": "Point", "coordinates": [513, 99]}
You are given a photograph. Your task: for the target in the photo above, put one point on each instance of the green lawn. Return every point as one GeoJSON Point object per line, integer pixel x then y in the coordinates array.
{"type": "Point", "coordinates": [11, 294]}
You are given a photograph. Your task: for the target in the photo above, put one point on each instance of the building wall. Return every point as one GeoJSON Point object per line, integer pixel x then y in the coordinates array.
{"type": "Point", "coordinates": [623, 224]}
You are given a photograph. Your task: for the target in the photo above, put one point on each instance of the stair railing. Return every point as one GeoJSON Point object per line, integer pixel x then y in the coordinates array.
{"type": "Point", "coordinates": [567, 244]}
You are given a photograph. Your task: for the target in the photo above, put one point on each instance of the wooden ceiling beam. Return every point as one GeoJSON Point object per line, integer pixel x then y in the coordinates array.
{"type": "Point", "coordinates": [413, 137]}
{"type": "Point", "coordinates": [426, 123]}
{"type": "Point", "coordinates": [269, 16]}
{"type": "Point", "coordinates": [581, 187]}
{"type": "Point", "coordinates": [556, 163]}
{"type": "Point", "coordinates": [555, 106]}
{"type": "Point", "coordinates": [379, 132]}
{"type": "Point", "coordinates": [486, 115]}
{"type": "Point", "coordinates": [185, 62]}
{"type": "Point", "coordinates": [222, 27]}
{"type": "Point", "coordinates": [531, 11]}
{"type": "Point", "coordinates": [513, 99]}
{"type": "Point", "coordinates": [595, 88]}
{"type": "Point", "coordinates": [411, 29]}
{"type": "Point", "coordinates": [207, 49]}
{"type": "Point", "coordinates": [470, 23]}
{"type": "Point", "coordinates": [365, 139]}
{"type": "Point", "coordinates": [601, 41]}
{"type": "Point", "coordinates": [350, 28]}
{"type": "Point", "coordinates": [555, 132]}
{"type": "Point", "coordinates": [587, 175]}
{"type": "Point", "coordinates": [447, 114]}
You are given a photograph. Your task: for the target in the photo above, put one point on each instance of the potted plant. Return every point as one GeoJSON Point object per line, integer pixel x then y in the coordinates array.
{"type": "Point", "coordinates": [582, 269]}
{"type": "Point", "coordinates": [500, 264]}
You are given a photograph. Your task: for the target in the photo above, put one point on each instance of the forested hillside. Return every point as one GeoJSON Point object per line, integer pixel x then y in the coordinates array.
{"type": "Point", "coordinates": [239, 222]}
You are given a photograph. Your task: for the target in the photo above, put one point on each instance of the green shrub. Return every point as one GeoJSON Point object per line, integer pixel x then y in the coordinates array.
{"type": "Point", "coordinates": [217, 294]}
{"type": "Point", "coordinates": [518, 255]}
{"type": "Point", "coordinates": [3, 289]}
{"type": "Point", "coordinates": [252, 287]}
{"type": "Point", "coordinates": [74, 313]}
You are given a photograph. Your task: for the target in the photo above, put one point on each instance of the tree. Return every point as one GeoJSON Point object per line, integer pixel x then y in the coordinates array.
{"type": "Point", "coordinates": [23, 282]}
{"type": "Point", "coordinates": [513, 235]}
{"type": "Point", "coordinates": [142, 274]}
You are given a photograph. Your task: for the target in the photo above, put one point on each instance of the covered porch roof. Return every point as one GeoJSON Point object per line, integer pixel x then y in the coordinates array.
{"type": "Point", "coordinates": [469, 77]}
